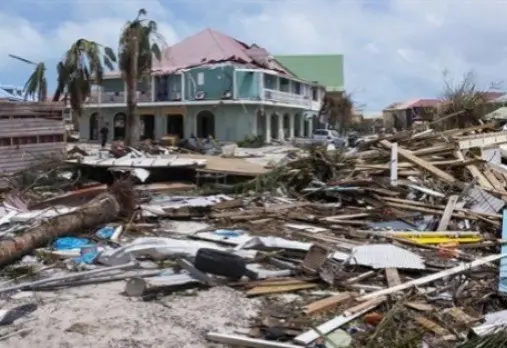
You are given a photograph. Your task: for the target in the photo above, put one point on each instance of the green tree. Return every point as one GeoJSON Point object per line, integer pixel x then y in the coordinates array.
{"type": "Point", "coordinates": [138, 46]}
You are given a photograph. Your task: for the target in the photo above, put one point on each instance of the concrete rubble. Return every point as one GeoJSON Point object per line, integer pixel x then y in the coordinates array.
{"type": "Point", "coordinates": [398, 242]}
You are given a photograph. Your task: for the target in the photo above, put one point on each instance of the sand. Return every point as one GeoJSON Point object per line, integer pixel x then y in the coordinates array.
{"type": "Point", "coordinates": [99, 316]}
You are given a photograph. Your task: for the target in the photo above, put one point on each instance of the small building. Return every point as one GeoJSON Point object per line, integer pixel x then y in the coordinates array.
{"type": "Point", "coordinates": [210, 84]}
{"type": "Point", "coordinates": [402, 115]}
{"type": "Point", "coordinates": [29, 132]}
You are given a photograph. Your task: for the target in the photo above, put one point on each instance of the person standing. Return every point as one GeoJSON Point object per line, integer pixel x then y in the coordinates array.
{"type": "Point", "coordinates": [104, 132]}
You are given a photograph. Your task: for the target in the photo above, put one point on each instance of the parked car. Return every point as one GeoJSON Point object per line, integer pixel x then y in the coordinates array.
{"type": "Point", "coordinates": [328, 136]}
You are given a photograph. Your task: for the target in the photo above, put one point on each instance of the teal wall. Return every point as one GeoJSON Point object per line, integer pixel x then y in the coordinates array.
{"type": "Point", "coordinates": [217, 81]}
{"type": "Point", "coordinates": [113, 85]}
{"type": "Point", "coordinates": [247, 85]}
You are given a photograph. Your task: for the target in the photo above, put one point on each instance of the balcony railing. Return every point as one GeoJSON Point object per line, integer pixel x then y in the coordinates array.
{"type": "Point", "coordinates": [144, 96]}
{"type": "Point", "coordinates": [290, 99]}
{"type": "Point", "coordinates": [112, 97]}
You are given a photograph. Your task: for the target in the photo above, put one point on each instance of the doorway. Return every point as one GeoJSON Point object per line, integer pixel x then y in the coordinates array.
{"type": "Point", "coordinates": [148, 127]}
{"type": "Point", "coordinates": [175, 125]}
{"type": "Point", "coordinates": [94, 126]}
{"type": "Point", "coordinates": [205, 124]}
{"type": "Point", "coordinates": [119, 126]}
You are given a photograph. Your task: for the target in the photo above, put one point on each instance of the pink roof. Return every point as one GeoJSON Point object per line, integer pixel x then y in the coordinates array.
{"type": "Point", "coordinates": [209, 46]}
{"type": "Point", "coordinates": [414, 103]}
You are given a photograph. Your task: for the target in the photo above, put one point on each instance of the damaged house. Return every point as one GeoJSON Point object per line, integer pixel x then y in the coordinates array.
{"type": "Point", "coordinates": [29, 132]}
{"type": "Point", "coordinates": [210, 84]}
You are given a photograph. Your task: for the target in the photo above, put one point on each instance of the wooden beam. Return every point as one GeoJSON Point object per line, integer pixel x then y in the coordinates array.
{"type": "Point", "coordinates": [409, 156]}
{"type": "Point", "coordinates": [446, 217]}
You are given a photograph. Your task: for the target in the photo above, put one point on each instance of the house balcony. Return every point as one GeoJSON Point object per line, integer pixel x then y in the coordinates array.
{"type": "Point", "coordinates": [288, 98]}
{"type": "Point", "coordinates": [112, 97]}
{"type": "Point", "coordinates": [144, 96]}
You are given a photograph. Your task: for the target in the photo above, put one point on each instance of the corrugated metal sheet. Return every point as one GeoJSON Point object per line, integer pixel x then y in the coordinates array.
{"type": "Point", "coordinates": [483, 202]}
{"type": "Point", "coordinates": [385, 256]}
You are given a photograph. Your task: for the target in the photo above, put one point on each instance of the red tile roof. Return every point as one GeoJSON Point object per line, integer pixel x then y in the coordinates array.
{"type": "Point", "coordinates": [209, 46]}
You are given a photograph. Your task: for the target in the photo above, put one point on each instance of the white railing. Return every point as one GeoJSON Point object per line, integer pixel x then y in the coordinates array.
{"type": "Point", "coordinates": [291, 99]}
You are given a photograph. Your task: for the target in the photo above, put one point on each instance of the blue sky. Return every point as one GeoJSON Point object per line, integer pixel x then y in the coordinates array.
{"type": "Point", "coordinates": [394, 49]}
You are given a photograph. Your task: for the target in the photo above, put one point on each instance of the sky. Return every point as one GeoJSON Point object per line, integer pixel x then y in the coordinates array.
{"type": "Point", "coordinates": [394, 50]}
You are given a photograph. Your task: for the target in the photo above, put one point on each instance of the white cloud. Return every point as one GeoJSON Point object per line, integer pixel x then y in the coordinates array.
{"type": "Point", "coordinates": [394, 49]}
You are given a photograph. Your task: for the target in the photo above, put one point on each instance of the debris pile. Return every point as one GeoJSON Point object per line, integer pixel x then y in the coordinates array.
{"type": "Point", "coordinates": [398, 242]}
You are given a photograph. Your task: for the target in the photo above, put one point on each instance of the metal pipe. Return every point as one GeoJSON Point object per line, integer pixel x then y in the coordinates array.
{"type": "Point", "coordinates": [30, 285]}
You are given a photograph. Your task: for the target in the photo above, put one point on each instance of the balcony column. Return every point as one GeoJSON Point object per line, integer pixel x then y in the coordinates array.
{"type": "Point", "coordinates": [281, 134]}
{"type": "Point", "coordinates": [268, 126]}
{"type": "Point", "coordinates": [254, 123]}
{"type": "Point", "coordinates": [301, 125]}
{"type": "Point", "coordinates": [291, 126]}
{"type": "Point", "coordinates": [310, 126]}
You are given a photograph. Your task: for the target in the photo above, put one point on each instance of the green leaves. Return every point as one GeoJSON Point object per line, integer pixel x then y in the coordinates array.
{"type": "Point", "coordinates": [81, 67]}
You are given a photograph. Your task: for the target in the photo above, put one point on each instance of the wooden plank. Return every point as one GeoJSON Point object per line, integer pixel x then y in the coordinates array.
{"type": "Point", "coordinates": [422, 163]}
{"type": "Point", "coordinates": [423, 307]}
{"type": "Point", "coordinates": [431, 326]}
{"type": "Point", "coordinates": [432, 277]}
{"type": "Point", "coordinates": [474, 171]}
{"type": "Point", "coordinates": [393, 277]}
{"type": "Point", "coordinates": [275, 289]}
{"type": "Point", "coordinates": [311, 335]}
{"type": "Point", "coordinates": [327, 303]}
{"type": "Point", "coordinates": [394, 165]}
{"type": "Point", "coordinates": [446, 216]}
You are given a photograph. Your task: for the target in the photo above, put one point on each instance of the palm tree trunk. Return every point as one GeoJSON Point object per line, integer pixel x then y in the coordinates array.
{"type": "Point", "coordinates": [101, 210]}
{"type": "Point", "coordinates": [132, 125]}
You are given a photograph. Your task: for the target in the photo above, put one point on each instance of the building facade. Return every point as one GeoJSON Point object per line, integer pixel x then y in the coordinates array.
{"type": "Point", "coordinates": [210, 84]}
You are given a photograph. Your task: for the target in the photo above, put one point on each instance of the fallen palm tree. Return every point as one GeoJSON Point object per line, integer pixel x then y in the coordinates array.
{"type": "Point", "coordinates": [103, 209]}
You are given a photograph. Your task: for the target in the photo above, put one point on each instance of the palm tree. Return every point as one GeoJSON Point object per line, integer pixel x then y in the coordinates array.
{"type": "Point", "coordinates": [136, 50]}
{"type": "Point", "coordinates": [81, 67]}
{"type": "Point", "coordinates": [36, 85]}
{"type": "Point", "coordinates": [337, 109]}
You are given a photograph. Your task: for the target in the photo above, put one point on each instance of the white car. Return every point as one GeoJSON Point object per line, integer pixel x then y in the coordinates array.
{"type": "Point", "coordinates": [328, 136]}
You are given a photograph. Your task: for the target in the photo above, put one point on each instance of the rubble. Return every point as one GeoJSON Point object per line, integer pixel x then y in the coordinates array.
{"type": "Point", "coordinates": [399, 241]}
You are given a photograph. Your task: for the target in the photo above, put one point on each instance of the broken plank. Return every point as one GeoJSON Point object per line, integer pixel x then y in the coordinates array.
{"type": "Point", "coordinates": [275, 289]}
{"type": "Point", "coordinates": [418, 306]}
{"type": "Point", "coordinates": [432, 277]}
{"type": "Point", "coordinates": [446, 216]}
{"type": "Point", "coordinates": [326, 303]}
{"type": "Point", "coordinates": [422, 163]}
{"type": "Point", "coordinates": [311, 335]}
{"type": "Point", "coordinates": [393, 277]}
{"type": "Point", "coordinates": [432, 326]}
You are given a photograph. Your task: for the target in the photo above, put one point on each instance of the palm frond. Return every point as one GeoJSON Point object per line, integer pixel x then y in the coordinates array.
{"type": "Point", "coordinates": [81, 67]}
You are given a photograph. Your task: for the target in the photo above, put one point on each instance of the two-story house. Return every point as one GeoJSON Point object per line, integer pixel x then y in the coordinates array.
{"type": "Point", "coordinates": [210, 84]}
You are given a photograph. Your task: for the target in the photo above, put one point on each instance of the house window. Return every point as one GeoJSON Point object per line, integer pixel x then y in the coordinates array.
{"type": "Point", "coordinates": [284, 85]}
{"type": "Point", "coordinates": [5, 141]}
{"type": "Point", "coordinates": [315, 94]}
{"type": "Point", "coordinates": [24, 140]}
{"type": "Point", "coordinates": [51, 138]}
{"type": "Point", "coordinates": [200, 78]}
{"type": "Point", "coordinates": [296, 87]}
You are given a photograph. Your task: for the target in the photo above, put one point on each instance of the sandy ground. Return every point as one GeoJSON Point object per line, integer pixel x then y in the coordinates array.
{"type": "Point", "coordinates": [100, 316]}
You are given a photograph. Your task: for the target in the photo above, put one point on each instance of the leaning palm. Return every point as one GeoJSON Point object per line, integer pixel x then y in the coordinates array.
{"type": "Point", "coordinates": [138, 45]}
{"type": "Point", "coordinates": [81, 67]}
{"type": "Point", "coordinates": [36, 86]}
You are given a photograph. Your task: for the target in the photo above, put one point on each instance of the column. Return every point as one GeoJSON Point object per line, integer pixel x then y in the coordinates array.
{"type": "Point", "coordinates": [302, 125]}
{"type": "Point", "coordinates": [291, 126]}
{"type": "Point", "coordinates": [254, 123]}
{"type": "Point", "coordinates": [310, 126]}
{"type": "Point", "coordinates": [268, 127]}
{"type": "Point", "coordinates": [280, 126]}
